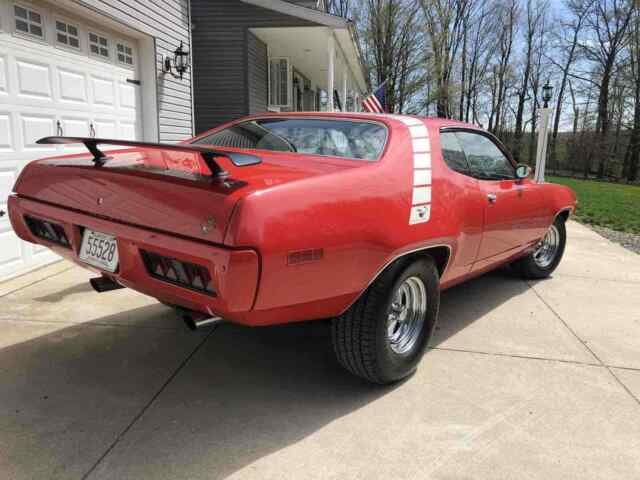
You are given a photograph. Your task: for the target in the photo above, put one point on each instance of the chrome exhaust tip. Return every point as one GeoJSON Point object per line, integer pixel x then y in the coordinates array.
{"type": "Point", "coordinates": [196, 320]}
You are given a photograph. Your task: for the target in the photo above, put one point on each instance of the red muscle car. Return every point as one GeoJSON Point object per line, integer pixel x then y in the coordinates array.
{"type": "Point", "coordinates": [360, 218]}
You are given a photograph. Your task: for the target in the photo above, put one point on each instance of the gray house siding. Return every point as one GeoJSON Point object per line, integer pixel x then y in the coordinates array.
{"type": "Point", "coordinates": [167, 21]}
{"type": "Point", "coordinates": [221, 57]}
{"type": "Point", "coordinates": [257, 64]}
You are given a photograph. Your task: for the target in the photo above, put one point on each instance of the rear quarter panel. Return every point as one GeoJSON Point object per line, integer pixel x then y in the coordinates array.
{"type": "Point", "coordinates": [359, 218]}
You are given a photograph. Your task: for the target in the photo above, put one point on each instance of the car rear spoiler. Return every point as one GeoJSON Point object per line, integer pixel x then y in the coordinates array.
{"type": "Point", "coordinates": [208, 154]}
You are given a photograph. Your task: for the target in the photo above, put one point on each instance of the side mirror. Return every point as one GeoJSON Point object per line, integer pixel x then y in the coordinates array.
{"type": "Point", "coordinates": [522, 171]}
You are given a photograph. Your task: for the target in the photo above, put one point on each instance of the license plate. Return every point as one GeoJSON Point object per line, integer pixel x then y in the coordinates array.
{"type": "Point", "coordinates": [100, 250]}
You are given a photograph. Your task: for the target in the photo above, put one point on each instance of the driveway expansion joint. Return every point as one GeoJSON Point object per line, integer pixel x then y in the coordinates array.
{"type": "Point", "coordinates": [35, 282]}
{"type": "Point", "coordinates": [148, 405]}
{"type": "Point", "coordinates": [522, 356]}
{"type": "Point", "coordinates": [609, 369]}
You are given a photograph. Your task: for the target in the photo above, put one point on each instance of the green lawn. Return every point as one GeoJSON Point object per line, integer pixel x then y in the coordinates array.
{"type": "Point", "coordinates": [610, 205]}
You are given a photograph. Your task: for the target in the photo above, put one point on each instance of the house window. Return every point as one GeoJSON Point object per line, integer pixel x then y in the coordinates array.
{"type": "Point", "coordinates": [67, 34]}
{"type": "Point", "coordinates": [28, 21]}
{"type": "Point", "coordinates": [98, 45]}
{"type": "Point", "coordinates": [125, 54]}
{"type": "Point", "coordinates": [279, 82]}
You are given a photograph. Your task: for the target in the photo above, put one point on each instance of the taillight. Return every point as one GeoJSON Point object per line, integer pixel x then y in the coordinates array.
{"type": "Point", "coordinates": [181, 273]}
{"type": "Point", "coordinates": [46, 230]}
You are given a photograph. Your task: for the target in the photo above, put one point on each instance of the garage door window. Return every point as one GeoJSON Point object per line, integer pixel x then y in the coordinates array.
{"type": "Point", "coordinates": [98, 45]}
{"type": "Point", "coordinates": [125, 54]}
{"type": "Point", "coordinates": [67, 34]}
{"type": "Point", "coordinates": [28, 21]}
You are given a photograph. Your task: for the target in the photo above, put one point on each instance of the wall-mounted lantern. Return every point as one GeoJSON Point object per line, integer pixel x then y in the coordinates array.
{"type": "Point", "coordinates": [179, 63]}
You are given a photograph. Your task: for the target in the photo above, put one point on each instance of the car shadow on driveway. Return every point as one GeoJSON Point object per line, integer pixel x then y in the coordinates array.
{"type": "Point", "coordinates": [465, 303]}
{"type": "Point", "coordinates": [67, 395]}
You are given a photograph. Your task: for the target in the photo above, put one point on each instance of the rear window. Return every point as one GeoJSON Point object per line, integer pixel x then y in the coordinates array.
{"type": "Point", "coordinates": [339, 138]}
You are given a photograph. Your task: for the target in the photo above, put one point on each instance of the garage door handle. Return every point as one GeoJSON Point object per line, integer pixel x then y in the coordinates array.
{"type": "Point", "coordinates": [92, 131]}
{"type": "Point", "coordinates": [60, 131]}
{"type": "Point", "coordinates": [492, 197]}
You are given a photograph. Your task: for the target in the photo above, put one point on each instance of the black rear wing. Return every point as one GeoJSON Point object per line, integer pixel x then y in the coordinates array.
{"type": "Point", "coordinates": [207, 153]}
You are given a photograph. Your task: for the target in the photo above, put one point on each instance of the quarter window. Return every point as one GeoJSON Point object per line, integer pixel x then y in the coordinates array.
{"type": "Point", "coordinates": [452, 153]}
{"type": "Point", "coordinates": [67, 34]}
{"type": "Point", "coordinates": [98, 45]}
{"type": "Point", "coordinates": [486, 160]}
{"type": "Point", "coordinates": [28, 21]}
{"type": "Point", "coordinates": [125, 54]}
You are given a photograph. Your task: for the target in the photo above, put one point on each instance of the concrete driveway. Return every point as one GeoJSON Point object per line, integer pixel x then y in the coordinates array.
{"type": "Point", "coordinates": [524, 380]}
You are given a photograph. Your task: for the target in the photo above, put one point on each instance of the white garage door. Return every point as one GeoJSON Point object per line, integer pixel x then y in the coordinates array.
{"type": "Point", "coordinates": [59, 75]}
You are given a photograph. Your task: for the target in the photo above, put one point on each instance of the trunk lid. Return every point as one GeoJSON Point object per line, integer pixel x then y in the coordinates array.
{"type": "Point", "coordinates": [161, 190]}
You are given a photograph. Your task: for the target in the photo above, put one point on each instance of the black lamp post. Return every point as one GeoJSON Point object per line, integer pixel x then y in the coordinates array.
{"type": "Point", "coordinates": [547, 93]}
{"type": "Point", "coordinates": [179, 63]}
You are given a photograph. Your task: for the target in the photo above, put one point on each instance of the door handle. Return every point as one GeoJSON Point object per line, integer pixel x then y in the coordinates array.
{"type": "Point", "coordinates": [492, 197]}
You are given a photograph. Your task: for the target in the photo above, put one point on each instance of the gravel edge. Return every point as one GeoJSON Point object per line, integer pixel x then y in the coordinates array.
{"type": "Point", "coordinates": [630, 241]}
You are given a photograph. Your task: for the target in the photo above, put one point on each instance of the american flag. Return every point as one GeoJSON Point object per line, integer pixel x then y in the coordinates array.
{"type": "Point", "coordinates": [376, 101]}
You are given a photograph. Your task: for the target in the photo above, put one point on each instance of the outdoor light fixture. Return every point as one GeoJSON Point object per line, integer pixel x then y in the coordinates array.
{"type": "Point", "coordinates": [547, 93]}
{"type": "Point", "coordinates": [179, 63]}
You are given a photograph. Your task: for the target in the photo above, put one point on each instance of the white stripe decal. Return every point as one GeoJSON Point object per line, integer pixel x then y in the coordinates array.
{"type": "Point", "coordinates": [422, 160]}
{"type": "Point", "coordinates": [421, 177]}
{"type": "Point", "coordinates": [420, 214]}
{"type": "Point", "coordinates": [418, 131]}
{"type": "Point", "coordinates": [421, 145]}
{"type": "Point", "coordinates": [421, 195]}
{"type": "Point", "coordinates": [409, 121]}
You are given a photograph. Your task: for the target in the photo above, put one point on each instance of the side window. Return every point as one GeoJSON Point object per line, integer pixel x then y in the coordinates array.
{"type": "Point", "coordinates": [452, 153]}
{"type": "Point", "coordinates": [486, 160]}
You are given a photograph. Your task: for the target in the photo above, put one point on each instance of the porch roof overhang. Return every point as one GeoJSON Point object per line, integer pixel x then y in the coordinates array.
{"type": "Point", "coordinates": [307, 46]}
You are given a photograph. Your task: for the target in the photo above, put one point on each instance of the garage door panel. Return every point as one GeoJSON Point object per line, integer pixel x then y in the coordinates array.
{"type": "Point", "coordinates": [4, 88]}
{"type": "Point", "coordinates": [44, 91]}
{"type": "Point", "coordinates": [128, 96]}
{"type": "Point", "coordinates": [73, 86]}
{"type": "Point", "coordinates": [103, 91]}
{"type": "Point", "coordinates": [105, 128]}
{"type": "Point", "coordinates": [34, 128]}
{"type": "Point", "coordinates": [127, 131]}
{"type": "Point", "coordinates": [33, 79]}
{"type": "Point", "coordinates": [7, 179]}
{"type": "Point", "coordinates": [10, 251]}
{"type": "Point", "coordinates": [6, 132]}
{"type": "Point", "coordinates": [75, 127]}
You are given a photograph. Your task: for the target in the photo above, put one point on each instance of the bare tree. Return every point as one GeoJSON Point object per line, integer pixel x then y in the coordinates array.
{"type": "Point", "coordinates": [608, 22]}
{"type": "Point", "coordinates": [632, 157]}
{"type": "Point", "coordinates": [535, 21]}
{"type": "Point", "coordinates": [444, 22]}
{"type": "Point", "coordinates": [393, 49]}
{"type": "Point", "coordinates": [569, 35]}
{"type": "Point", "coordinates": [508, 14]}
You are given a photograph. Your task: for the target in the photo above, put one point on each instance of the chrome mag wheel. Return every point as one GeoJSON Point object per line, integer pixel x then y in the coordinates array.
{"type": "Point", "coordinates": [547, 249]}
{"type": "Point", "coordinates": [406, 315]}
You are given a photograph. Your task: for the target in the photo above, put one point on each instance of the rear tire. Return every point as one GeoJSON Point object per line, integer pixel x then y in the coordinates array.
{"type": "Point", "coordinates": [383, 336]}
{"type": "Point", "coordinates": [546, 257]}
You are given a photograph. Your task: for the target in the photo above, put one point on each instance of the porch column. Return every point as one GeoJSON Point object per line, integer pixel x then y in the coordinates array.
{"type": "Point", "coordinates": [344, 87]}
{"type": "Point", "coordinates": [331, 52]}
